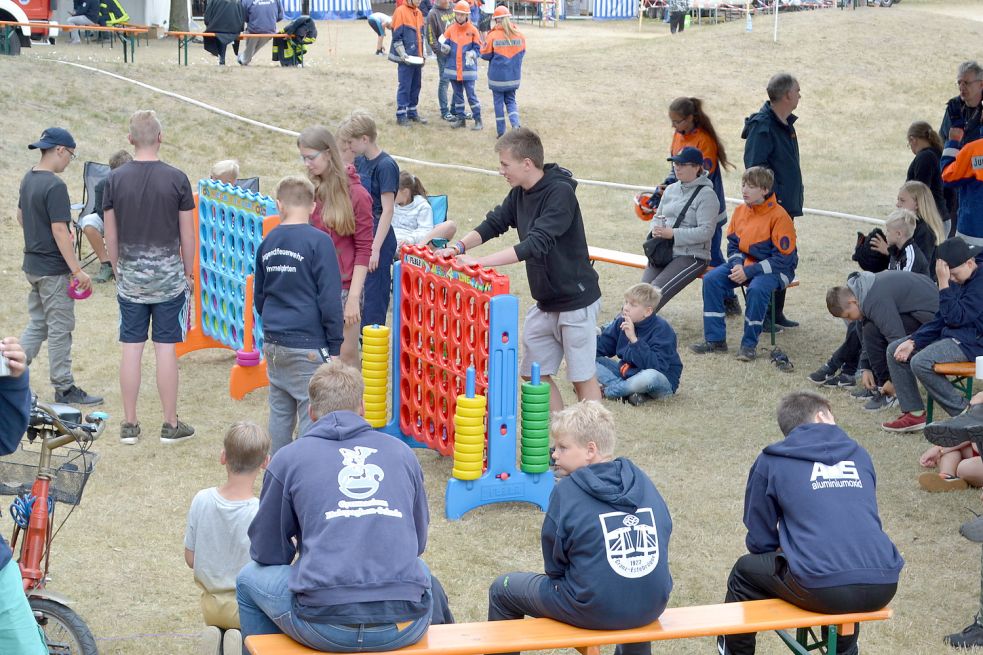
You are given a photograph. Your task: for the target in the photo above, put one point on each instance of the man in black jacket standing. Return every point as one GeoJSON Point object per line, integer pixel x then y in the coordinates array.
{"type": "Point", "coordinates": [543, 208]}
{"type": "Point", "coordinates": [770, 141]}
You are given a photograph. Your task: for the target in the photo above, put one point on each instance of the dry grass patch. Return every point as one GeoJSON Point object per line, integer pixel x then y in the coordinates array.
{"type": "Point", "coordinates": [598, 93]}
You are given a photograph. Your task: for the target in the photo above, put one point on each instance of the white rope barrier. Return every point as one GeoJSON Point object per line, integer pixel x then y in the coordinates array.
{"type": "Point", "coordinates": [418, 162]}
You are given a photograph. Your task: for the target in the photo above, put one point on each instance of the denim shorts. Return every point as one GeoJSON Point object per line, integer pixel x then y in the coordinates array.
{"type": "Point", "coordinates": [168, 317]}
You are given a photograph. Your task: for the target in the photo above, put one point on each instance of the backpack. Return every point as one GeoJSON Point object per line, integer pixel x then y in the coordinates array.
{"type": "Point", "coordinates": [868, 258]}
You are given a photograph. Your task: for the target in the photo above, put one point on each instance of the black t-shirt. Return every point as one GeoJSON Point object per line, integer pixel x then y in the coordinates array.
{"type": "Point", "coordinates": [146, 198]}
{"type": "Point", "coordinates": [43, 200]}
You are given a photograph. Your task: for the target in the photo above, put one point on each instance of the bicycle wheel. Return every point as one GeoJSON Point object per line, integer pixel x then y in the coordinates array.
{"type": "Point", "coordinates": [64, 630]}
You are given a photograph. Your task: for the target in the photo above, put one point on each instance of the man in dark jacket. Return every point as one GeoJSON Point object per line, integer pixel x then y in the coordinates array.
{"type": "Point", "coordinates": [954, 335]}
{"type": "Point", "coordinates": [889, 305]}
{"type": "Point", "coordinates": [351, 501]}
{"type": "Point", "coordinates": [605, 538]}
{"type": "Point", "coordinates": [965, 111]}
{"type": "Point", "coordinates": [225, 19]}
{"type": "Point", "coordinates": [18, 629]}
{"type": "Point", "coordinates": [542, 206]}
{"type": "Point", "coordinates": [86, 12]}
{"type": "Point", "coordinates": [797, 492]}
{"type": "Point", "coordinates": [441, 15]}
{"type": "Point", "coordinates": [770, 141]}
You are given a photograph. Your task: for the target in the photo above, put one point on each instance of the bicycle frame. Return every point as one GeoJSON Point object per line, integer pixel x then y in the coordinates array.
{"type": "Point", "coordinates": [35, 548]}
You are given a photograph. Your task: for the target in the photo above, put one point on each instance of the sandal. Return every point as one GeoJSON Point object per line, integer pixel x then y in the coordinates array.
{"type": "Point", "coordinates": [939, 482]}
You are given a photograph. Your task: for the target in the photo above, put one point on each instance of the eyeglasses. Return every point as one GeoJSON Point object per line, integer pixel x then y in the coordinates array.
{"type": "Point", "coordinates": [71, 154]}
{"type": "Point", "coordinates": [962, 83]}
{"type": "Point", "coordinates": [306, 159]}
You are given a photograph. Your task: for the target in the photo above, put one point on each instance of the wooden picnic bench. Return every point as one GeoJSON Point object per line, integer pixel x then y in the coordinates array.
{"type": "Point", "coordinates": [675, 623]}
{"type": "Point", "coordinates": [634, 260]}
{"type": "Point", "coordinates": [184, 38]}
{"type": "Point", "coordinates": [962, 374]}
{"type": "Point", "coordinates": [127, 35]}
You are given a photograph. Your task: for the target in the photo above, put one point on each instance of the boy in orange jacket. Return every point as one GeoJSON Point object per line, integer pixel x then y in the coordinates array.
{"type": "Point", "coordinates": [407, 41]}
{"type": "Point", "coordinates": [761, 254]}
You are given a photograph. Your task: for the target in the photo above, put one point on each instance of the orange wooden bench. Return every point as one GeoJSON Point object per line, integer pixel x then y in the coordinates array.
{"type": "Point", "coordinates": [634, 260]}
{"type": "Point", "coordinates": [962, 374]}
{"type": "Point", "coordinates": [128, 35]}
{"type": "Point", "coordinates": [675, 623]}
{"type": "Point", "coordinates": [184, 38]}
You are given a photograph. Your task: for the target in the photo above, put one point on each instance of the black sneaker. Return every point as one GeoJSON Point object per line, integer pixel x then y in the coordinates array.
{"type": "Point", "coordinates": [746, 354]}
{"type": "Point", "coordinates": [862, 393]}
{"type": "Point", "coordinates": [419, 119]}
{"type": "Point", "coordinates": [403, 122]}
{"type": "Point", "coordinates": [732, 307]}
{"type": "Point", "coordinates": [636, 399]}
{"type": "Point", "coordinates": [457, 122]}
{"type": "Point", "coordinates": [781, 361]}
{"type": "Point", "coordinates": [766, 327]}
{"type": "Point", "coordinates": [820, 375]}
{"type": "Point", "coordinates": [973, 529]}
{"type": "Point", "coordinates": [174, 434]}
{"type": "Point", "coordinates": [74, 395]}
{"type": "Point", "coordinates": [705, 347]}
{"type": "Point", "coordinates": [785, 322]}
{"type": "Point", "coordinates": [970, 637]}
{"type": "Point", "coordinates": [967, 426]}
{"type": "Point", "coordinates": [841, 380]}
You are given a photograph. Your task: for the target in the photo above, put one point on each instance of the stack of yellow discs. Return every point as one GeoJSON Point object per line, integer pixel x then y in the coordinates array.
{"type": "Point", "coordinates": [469, 437]}
{"type": "Point", "coordinates": [375, 371]}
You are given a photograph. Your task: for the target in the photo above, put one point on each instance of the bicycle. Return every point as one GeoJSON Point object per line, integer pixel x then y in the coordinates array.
{"type": "Point", "coordinates": [39, 478]}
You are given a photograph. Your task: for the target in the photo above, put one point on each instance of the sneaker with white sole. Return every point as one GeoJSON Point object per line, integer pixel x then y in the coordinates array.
{"type": "Point", "coordinates": [907, 422]}
{"type": "Point", "coordinates": [211, 641]}
{"type": "Point", "coordinates": [232, 642]}
{"type": "Point", "coordinates": [820, 375]}
{"type": "Point", "coordinates": [129, 433]}
{"type": "Point", "coordinates": [862, 393]}
{"type": "Point", "coordinates": [842, 380]}
{"type": "Point", "coordinates": [879, 401]}
{"type": "Point", "coordinates": [75, 395]}
{"type": "Point", "coordinates": [175, 433]}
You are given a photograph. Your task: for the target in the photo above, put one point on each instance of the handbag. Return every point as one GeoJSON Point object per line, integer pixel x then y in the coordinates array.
{"type": "Point", "coordinates": [659, 251]}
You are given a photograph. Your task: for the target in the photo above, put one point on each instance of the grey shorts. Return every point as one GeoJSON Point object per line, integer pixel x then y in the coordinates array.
{"type": "Point", "coordinates": [92, 220]}
{"type": "Point", "coordinates": [549, 337]}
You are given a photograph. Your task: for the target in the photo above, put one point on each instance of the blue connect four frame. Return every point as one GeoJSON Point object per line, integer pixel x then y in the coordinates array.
{"type": "Point", "coordinates": [230, 225]}
{"type": "Point", "coordinates": [502, 481]}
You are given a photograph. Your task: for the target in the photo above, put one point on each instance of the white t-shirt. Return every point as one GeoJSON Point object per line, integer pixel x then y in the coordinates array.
{"type": "Point", "coordinates": [217, 533]}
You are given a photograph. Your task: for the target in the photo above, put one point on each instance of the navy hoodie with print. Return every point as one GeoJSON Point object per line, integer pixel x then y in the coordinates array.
{"type": "Point", "coordinates": [355, 502]}
{"type": "Point", "coordinates": [606, 548]}
{"type": "Point", "coordinates": [798, 493]}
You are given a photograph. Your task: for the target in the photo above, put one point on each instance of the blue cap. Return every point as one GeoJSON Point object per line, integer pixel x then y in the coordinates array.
{"type": "Point", "coordinates": [688, 155]}
{"type": "Point", "coordinates": [51, 137]}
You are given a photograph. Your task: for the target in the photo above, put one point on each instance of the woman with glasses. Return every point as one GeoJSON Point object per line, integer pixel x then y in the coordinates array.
{"type": "Point", "coordinates": [343, 209]}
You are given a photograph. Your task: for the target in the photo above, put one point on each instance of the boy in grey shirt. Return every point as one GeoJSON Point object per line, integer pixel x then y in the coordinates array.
{"type": "Point", "coordinates": [216, 543]}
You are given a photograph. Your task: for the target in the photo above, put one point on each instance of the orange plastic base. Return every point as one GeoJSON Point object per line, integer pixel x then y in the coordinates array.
{"type": "Point", "coordinates": [244, 379]}
{"type": "Point", "coordinates": [196, 339]}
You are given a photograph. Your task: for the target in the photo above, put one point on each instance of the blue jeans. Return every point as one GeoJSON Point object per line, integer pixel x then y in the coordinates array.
{"type": "Point", "coordinates": [442, 88]}
{"type": "Point", "coordinates": [266, 607]}
{"type": "Point", "coordinates": [504, 101]}
{"type": "Point", "coordinates": [648, 380]}
{"type": "Point", "coordinates": [408, 91]}
{"type": "Point", "coordinates": [460, 88]}
{"type": "Point", "coordinates": [379, 283]}
{"type": "Point", "coordinates": [716, 285]}
{"type": "Point", "coordinates": [289, 371]}
{"type": "Point", "coordinates": [19, 632]}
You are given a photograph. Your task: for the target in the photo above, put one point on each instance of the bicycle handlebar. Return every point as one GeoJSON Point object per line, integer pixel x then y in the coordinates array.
{"type": "Point", "coordinates": [88, 431]}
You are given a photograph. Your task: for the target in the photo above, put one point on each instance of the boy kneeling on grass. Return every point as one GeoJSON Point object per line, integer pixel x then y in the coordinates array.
{"type": "Point", "coordinates": [216, 542]}
{"type": "Point", "coordinates": [800, 548]}
{"type": "Point", "coordinates": [605, 538]}
{"type": "Point", "coordinates": [644, 343]}
{"type": "Point", "coordinates": [761, 255]}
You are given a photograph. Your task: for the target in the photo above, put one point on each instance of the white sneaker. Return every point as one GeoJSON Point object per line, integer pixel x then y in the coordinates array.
{"type": "Point", "coordinates": [211, 641]}
{"type": "Point", "coordinates": [232, 642]}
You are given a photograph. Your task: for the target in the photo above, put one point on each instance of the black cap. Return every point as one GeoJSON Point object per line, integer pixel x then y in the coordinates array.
{"type": "Point", "coordinates": [688, 155]}
{"type": "Point", "coordinates": [956, 252]}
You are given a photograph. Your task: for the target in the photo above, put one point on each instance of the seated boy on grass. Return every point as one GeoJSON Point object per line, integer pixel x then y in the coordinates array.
{"type": "Point", "coordinates": [647, 364]}
{"type": "Point", "coordinates": [605, 538]}
{"type": "Point", "coordinates": [761, 255]}
{"type": "Point", "coordinates": [800, 549]}
{"type": "Point", "coordinates": [216, 542]}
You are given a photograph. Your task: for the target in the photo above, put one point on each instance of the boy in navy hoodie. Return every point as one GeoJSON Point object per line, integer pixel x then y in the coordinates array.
{"type": "Point", "coordinates": [350, 504]}
{"type": "Point", "coordinates": [798, 492]}
{"type": "Point", "coordinates": [605, 538]}
{"type": "Point", "coordinates": [648, 365]}
{"type": "Point", "coordinates": [297, 292]}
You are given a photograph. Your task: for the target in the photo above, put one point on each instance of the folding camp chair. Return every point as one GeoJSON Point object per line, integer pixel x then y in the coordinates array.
{"type": "Point", "coordinates": [439, 206]}
{"type": "Point", "coordinates": [249, 184]}
{"type": "Point", "coordinates": [92, 174]}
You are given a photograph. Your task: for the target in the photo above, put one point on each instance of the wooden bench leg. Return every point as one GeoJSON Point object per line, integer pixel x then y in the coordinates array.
{"type": "Point", "coordinates": [589, 650]}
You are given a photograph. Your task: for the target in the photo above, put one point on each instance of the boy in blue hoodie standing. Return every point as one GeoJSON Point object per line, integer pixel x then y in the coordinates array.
{"type": "Point", "coordinates": [605, 538]}
{"type": "Point", "coordinates": [648, 365]}
{"type": "Point", "coordinates": [798, 490]}
{"type": "Point", "coordinates": [297, 292]}
{"type": "Point", "coordinates": [351, 501]}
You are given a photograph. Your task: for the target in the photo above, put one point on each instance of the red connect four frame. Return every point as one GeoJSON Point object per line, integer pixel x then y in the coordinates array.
{"type": "Point", "coordinates": [443, 329]}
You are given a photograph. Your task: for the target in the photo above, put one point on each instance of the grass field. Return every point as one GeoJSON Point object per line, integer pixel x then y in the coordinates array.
{"type": "Point", "coordinates": [598, 93]}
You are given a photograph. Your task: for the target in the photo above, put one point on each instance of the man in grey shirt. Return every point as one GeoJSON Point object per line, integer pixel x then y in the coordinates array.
{"type": "Point", "coordinates": [50, 264]}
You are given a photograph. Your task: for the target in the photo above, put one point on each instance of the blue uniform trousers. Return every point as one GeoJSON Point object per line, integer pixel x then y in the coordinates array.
{"type": "Point", "coordinates": [408, 91]}
{"type": "Point", "coordinates": [504, 101]}
{"type": "Point", "coordinates": [459, 90]}
{"type": "Point", "coordinates": [716, 284]}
